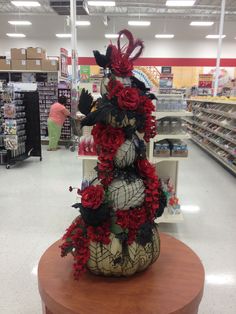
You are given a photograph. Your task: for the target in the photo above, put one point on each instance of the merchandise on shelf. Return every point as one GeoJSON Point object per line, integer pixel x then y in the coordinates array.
{"type": "Point", "coordinates": [47, 96]}
{"type": "Point", "coordinates": [213, 127]}
{"type": "Point", "coordinates": [14, 126]}
{"type": "Point", "coordinates": [171, 125]}
{"type": "Point", "coordinates": [172, 201]}
{"type": "Point", "coordinates": [170, 148]}
{"type": "Point", "coordinates": [87, 146]}
{"type": "Point", "coordinates": [170, 103]}
{"type": "Point", "coordinates": [66, 129]}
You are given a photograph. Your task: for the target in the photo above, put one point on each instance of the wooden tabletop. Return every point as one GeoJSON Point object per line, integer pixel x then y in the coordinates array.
{"type": "Point", "coordinates": [173, 284]}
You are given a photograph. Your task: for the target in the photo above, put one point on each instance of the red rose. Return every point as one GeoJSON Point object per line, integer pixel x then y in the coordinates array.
{"type": "Point", "coordinates": [114, 88]}
{"type": "Point", "coordinates": [108, 137]}
{"type": "Point", "coordinates": [122, 66]}
{"type": "Point", "coordinates": [128, 98]}
{"type": "Point", "coordinates": [92, 196]}
{"type": "Point", "coordinates": [146, 169]}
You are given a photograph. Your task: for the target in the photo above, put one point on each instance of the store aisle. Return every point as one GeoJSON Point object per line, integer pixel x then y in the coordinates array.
{"type": "Point", "coordinates": [207, 195]}
{"type": "Point", "coordinates": [35, 210]}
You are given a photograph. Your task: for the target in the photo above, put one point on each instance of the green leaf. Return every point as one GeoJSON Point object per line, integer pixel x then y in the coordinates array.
{"type": "Point", "coordinates": [116, 229]}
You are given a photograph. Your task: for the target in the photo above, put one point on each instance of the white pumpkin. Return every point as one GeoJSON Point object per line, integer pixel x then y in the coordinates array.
{"type": "Point", "coordinates": [104, 258]}
{"type": "Point", "coordinates": [124, 195]}
{"type": "Point", "coordinates": [125, 154]}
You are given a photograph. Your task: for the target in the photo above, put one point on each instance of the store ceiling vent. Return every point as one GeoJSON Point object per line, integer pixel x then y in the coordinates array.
{"type": "Point", "coordinates": [63, 7]}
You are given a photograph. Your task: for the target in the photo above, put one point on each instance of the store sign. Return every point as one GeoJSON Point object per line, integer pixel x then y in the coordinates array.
{"type": "Point", "coordinates": [205, 80]}
{"type": "Point", "coordinates": [85, 73]}
{"type": "Point", "coordinates": [64, 62]}
{"type": "Point", "coordinates": [166, 70]}
{"type": "Point", "coordinates": [166, 80]}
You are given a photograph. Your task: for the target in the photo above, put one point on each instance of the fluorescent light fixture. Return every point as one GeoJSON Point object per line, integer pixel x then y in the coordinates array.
{"type": "Point", "coordinates": [139, 23]}
{"type": "Point", "coordinates": [102, 3]}
{"type": "Point", "coordinates": [20, 22]}
{"type": "Point", "coordinates": [63, 35]}
{"type": "Point", "coordinates": [16, 35]}
{"type": "Point", "coordinates": [26, 3]}
{"type": "Point", "coordinates": [82, 23]}
{"type": "Point", "coordinates": [215, 36]}
{"type": "Point", "coordinates": [164, 36]}
{"type": "Point", "coordinates": [180, 3]}
{"type": "Point", "coordinates": [111, 35]}
{"type": "Point", "coordinates": [201, 23]}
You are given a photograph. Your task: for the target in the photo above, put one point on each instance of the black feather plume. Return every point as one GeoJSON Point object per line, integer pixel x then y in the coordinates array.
{"type": "Point", "coordinates": [85, 102]}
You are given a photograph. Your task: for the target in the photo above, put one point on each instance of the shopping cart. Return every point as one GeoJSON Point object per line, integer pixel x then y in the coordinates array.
{"type": "Point", "coordinates": [76, 133]}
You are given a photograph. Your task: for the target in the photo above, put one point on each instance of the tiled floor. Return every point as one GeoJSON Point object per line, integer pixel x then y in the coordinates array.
{"type": "Point", "coordinates": [35, 210]}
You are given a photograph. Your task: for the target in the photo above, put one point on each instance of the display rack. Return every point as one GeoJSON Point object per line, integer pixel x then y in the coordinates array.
{"type": "Point", "coordinates": [213, 128]}
{"type": "Point", "coordinates": [21, 127]}
{"type": "Point", "coordinates": [47, 96]}
{"type": "Point", "coordinates": [66, 129]}
{"type": "Point", "coordinates": [169, 106]}
{"type": "Point", "coordinates": [167, 167]}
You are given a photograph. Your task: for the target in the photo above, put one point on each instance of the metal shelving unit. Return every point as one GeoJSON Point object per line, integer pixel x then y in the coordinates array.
{"type": "Point", "coordinates": [213, 128]}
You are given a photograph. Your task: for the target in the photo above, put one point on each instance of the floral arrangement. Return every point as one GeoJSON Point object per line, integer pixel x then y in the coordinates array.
{"type": "Point", "coordinates": [124, 175]}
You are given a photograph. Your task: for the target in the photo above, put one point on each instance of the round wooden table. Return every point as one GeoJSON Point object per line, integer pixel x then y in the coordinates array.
{"type": "Point", "coordinates": [173, 284]}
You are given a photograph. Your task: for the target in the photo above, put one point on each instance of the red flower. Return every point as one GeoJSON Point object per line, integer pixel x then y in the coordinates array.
{"type": "Point", "coordinates": [92, 196]}
{"type": "Point", "coordinates": [114, 88]}
{"type": "Point", "coordinates": [108, 137]}
{"type": "Point", "coordinates": [121, 65]}
{"type": "Point", "coordinates": [146, 169]}
{"type": "Point", "coordinates": [128, 98]}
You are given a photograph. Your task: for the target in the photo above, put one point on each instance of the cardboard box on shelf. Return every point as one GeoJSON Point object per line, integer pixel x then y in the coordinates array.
{"type": "Point", "coordinates": [18, 64]}
{"type": "Point", "coordinates": [34, 65]}
{"type": "Point", "coordinates": [36, 53]}
{"type": "Point", "coordinates": [5, 64]}
{"type": "Point", "coordinates": [18, 53]}
{"type": "Point", "coordinates": [49, 65]}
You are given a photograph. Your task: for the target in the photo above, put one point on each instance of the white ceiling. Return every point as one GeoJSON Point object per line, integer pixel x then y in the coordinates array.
{"type": "Point", "coordinates": [45, 22]}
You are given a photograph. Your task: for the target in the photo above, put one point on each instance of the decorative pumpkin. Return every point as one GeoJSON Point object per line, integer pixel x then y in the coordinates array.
{"type": "Point", "coordinates": [125, 155]}
{"type": "Point", "coordinates": [110, 260]}
{"type": "Point", "coordinates": [124, 195]}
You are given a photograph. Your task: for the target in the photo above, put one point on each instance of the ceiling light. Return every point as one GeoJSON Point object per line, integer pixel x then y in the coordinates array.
{"type": "Point", "coordinates": [26, 3]}
{"type": "Point", "coordinates": [180, 3]}
{"type": "Point", "coordinates": [139, 23]}
{"type": "Point", "coordinates": [201, 23]}
{"type": "Point", "coordinates": [215, 36]}
{"type": "Point", "coordinates": [63, 35]}
{"type": "Point", "coordinates": [82, 23]}
{"type": "Point", "coordinates": [111, 35]}
{"type": "Point", "coordinates": [164, 36]}
{"type": "Point", "coordinates": [102, 3]}
{"type": "Point", "coordinates": [20, 22]}
{"type": "Point", "coordinates": [16, 35]}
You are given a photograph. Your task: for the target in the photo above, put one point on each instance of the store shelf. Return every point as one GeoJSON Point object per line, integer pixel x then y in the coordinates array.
{"type": "Point", "coordinates": [162, 114]}
{"type": "Point", "coordinates": [180, 136]}
{"type": "Point", "coordinates": [215, 143]}
{"type": "Point", "coordinates": [87, 157]}
{"type": "Point", "coordinates": [155, 160]}
{"type": "Point", "coordinates": [217, 112]}
{"type": "Point", "coordinates": [188, 120]}
{"type": "Point", "coordinates": [222, 102]}
{"type": "Point", "coordinates": [216, 133]}
{"type": "Point", "coordinates": [170, 218]}
{"type": "Point", "coordinates": [226, 126]}
{"type": "Point", "coordinates": [213, 153]}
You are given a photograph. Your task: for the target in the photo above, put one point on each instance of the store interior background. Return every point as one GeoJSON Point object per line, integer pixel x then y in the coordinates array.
{"type": "Point", "coordinates": [208, 227]}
